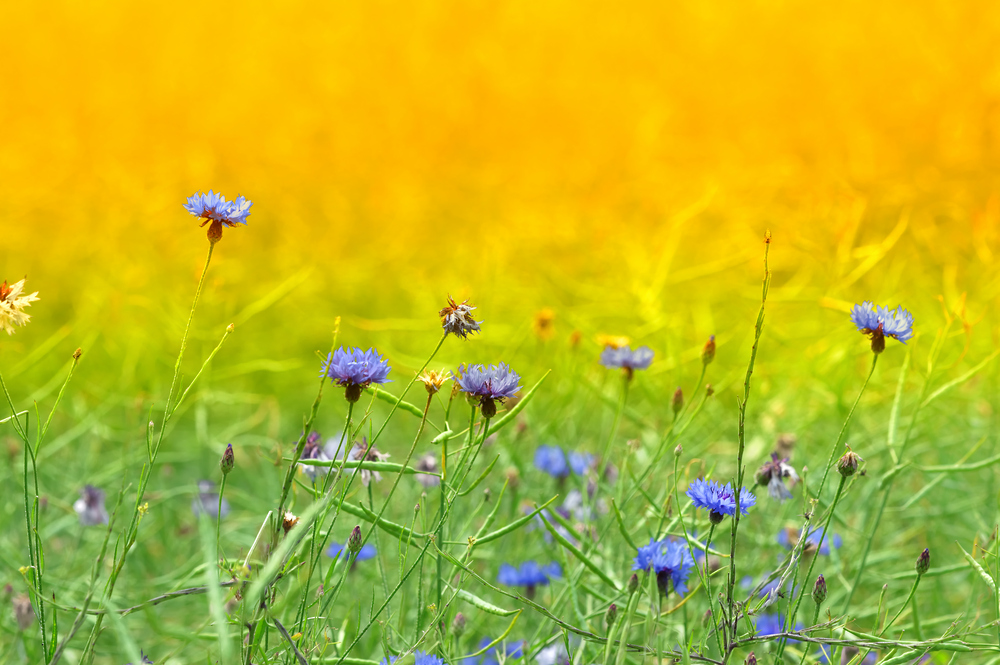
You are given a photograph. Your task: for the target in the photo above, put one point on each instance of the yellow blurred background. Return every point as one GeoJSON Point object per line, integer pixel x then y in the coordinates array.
{"type": "Point", "coordinates": [617, 163]}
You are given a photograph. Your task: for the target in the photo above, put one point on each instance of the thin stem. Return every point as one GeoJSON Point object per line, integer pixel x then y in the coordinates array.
{"type": "Point", "coordinates": [843, 429]}
{"type": "Point", "coordinates": [218, 516]}
{"type": "Point", "coordinates": [604, 461]}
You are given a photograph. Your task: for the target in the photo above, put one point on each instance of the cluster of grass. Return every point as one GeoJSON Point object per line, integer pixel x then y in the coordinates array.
{"type": "Point", "coordinates": [259, 585]}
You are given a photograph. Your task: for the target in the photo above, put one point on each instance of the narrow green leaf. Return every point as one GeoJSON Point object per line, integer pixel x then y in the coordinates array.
{"type": "Point", "coordinates": [516, 524]}
{"type": "Point", "coordinates": [481, 477]}
{"type": "Point", "coordinates": [575, 551]}
{"type": "Point", "coordinates": [508, 417]}
{"type": "Point", "coordinates": [960, 380]}
{"type": "Point", "coordinates": [621, 526]}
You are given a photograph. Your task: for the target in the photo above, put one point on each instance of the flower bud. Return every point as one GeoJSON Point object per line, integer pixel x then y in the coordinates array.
{"type": "Point", "coordinates": [848, 464]}
{"type": "Point", "coordinates": [678, 402]}
{"type": "Point", "coordinates": [354, 542]}
{"type": "Point", "coordinates": [228, 461]}
{"type": "Point", "coordinates": [923, 561]}
{"type": "Point", "coordinates": [679, 450]}
{"type": "Point", "coordinates": [751, 659]}
{"type": "Point", "coordinates": [458, 625]}
{"type": "Point", "coordinates": [716, 517]}
{"type": "Point", "coordinates": [77, 354]}
{"type": "Point", "coordinates": [708, 351]}
{"type": "Point", "coordinates": [819, 591]}
{"type": "Point", "coordinates": [633, 583]}
{"type": "Point", "coordinates": [352, 393]}
{"type": "Point", "coordinates": [709, 390]}
{"type": "Point", "coordinates": [611, 615]}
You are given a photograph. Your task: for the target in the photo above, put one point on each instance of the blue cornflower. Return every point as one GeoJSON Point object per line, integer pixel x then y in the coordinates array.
{"type": "Point", "coordinates": [513, 651]}
{"type": "Point", "coordinates": [420, 658]}
{"type": "Point", "coordinates": [207, 501]}
{"type": "Point", "coordinates": [644, 559]}
{"type": "Point", "coordinates": [214, 209]}
{"type": "Point", "coordinates": [816, 540]}
{"type": "Point", "coordinates": [627, 359]}
{"type": "Point", "coordinates": [580, 462]}
{"type": "Point", "coordinates": [355, 370]}
{"type": "Point", "coordinates": [719, 500]}
{"type": "Point", "coordinates": [551, 460]}
{"type": "Point", "coordinates": [498, 382]}
{"type": "Point", "coordinates": [365, 553]}
{"type": "Point", "coordinates": [881, 322]}
{"type": "Point", "coordinates": [773, 624]}
{"type": "Point", "coordinates": [673, 564]}
{"type": "Point", "coordinates": [529, 575]}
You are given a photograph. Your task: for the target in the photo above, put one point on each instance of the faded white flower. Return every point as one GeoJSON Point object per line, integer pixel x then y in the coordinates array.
{"type": "Point", "coordinates": [90, 507]}
{"type": "Point", "coordinates": [12, 305]}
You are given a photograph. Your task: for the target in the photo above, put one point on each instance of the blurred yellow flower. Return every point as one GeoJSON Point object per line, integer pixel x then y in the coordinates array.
{"type": "Point", "coordinates": [434, 379]}
{"type": "Point", "coordinates": [12, 305]}
{"type": "Point", "coordinates": [544, 325]}
{"type": "Point", "coordinates": [613, 341]}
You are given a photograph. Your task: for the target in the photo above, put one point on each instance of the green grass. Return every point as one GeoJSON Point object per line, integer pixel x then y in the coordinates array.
{"type": "Point", "coordinates": [925, 426]}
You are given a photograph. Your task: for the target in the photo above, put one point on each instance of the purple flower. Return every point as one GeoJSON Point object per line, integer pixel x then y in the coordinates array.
{"type": "Point", "coordinates": [355, 370]}
{"type": "Point", "coordinates": [498, 382]}
{"type": "Point", "coordinates": [773, 624]}
{"type": "Point", "coordinates": [207, 501]}
{"type": "Point", "coordinates": [580, 462]}
{"type": "Point", "coordinates": [551, 460]}
{"type": "Point", "coordinates": [719, 500]}
{"type": "Point", "coordinates": [90, 507]}
{"type": "Point", "coordinates": [366, 552]}
{"type": "Point", "coordinates": [627, 359]}
{"type": "Point", "coordinates": [529, 574]}
{"type": "Point", "coordinates": [816, 540]}
{"type": "Point", "coordinates": [881, 322]}
{"type": "Point", "coordinates": [214, 209]}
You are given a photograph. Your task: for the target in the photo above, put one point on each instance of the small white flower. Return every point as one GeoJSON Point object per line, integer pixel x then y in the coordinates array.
{"type": "Point", "coordinates": [12, 305]}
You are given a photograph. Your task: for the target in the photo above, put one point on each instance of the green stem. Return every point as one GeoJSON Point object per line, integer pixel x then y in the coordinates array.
{"type": "Point", "coordinates": [604, 461]}
{"type": "Point", "coordinates": [843, 429]}
{"type": "Point", "coordinates": [218, 517]}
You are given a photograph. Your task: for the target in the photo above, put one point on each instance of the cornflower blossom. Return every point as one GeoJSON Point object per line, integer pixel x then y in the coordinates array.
{"type": "Point", "coordinates": [627, 359]}
{"type": "Point", "coordinates": [215, 210]}
{"type": "Point", "coordinates": [456, 318]}
{"type": "Point", "coordinates": [719, 500]}
{"type": "Point", "coordinates": [364, 554]}
{"type": "Point", "coordinates": [529, 575]}
{"type": "Point", "coordinates": [355, 370]}
{"type": "Point", "coordinates": [512, 651]}
{"type": "Point", "coordinates": [90, 507]}
{"type": "Point", "coordinates": [773, 624]}
{"type": "Point", "coordinates": [489, 385]}
{"type": "Point", "coordinates": [207, 501]}
{"type": "Point", "coordinates": [554, 654]}
{"type": "Point", "coordinates": [670, 560]}
{"type": "Point", "coordinates": [551, 460]}
{"type": "Point", "coordinates": [12, 305]}
{"type": "Point", "coordinates": [815, 541]}
{"type": "Point", "coordinates": [773, 473]}
{"type": "Point", "coordinates": [420, 658]}
{"type": "Point", "coordinates": [580, 462]}
{"type": "Point", "coordinates": [881, 322]}
{"type": "Point", "coordinates": [428, 464]}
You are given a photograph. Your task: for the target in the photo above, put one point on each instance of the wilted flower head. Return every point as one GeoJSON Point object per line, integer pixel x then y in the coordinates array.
{"type": "Point", "coordinates": [90, 506]}
{"type": "Point", "coordinates": [881, 322]}
{"type": "Point", "coordinates": [23, 613]}
{"type": "Point", "coordinates": [12, 305]}
{"type": "Point", "coordinates": [314, 451]}
{"type": "Point", "coordinates": [361, 452]}
{"type": "Point", "coordinates": [433, 379]}
{"type": "Point", "coordinates": [773, 473]}
{"type": "Point", "coordinates": [428, 464]}
{"type": "Point", "coordinates": [815, 541]}
{"type": "Point", "coordinates": [213, 209]}
{"type": "Point", "coordinates": [627, 359]}
{"type": "Point", "coordinates": [207, 501]}
{"type": "Point", "coordinates": [529, 574]}
{"type": "Point", "coordinates": [457, 318]}
{"type": "Point", "coordinates": [719, 500]}
{"type": "Point", "coordinates": [551, 460]}
{"type": "Point", "coordinates": [498, 382]}
{"type": "Point", "coordinates": [355, 370]}
{"type": "Point", "coordinates": [289, 521]}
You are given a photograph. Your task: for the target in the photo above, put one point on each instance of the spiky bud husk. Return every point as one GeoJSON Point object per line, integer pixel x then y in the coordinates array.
{"type": "Point", "coordinates": [611, 615]}
{"type": "Point", "coordinates": [458, 625]}
{"type": "Point", "coordinates": [228, 461]}
{"type": "Point", "coordinates": [878, 341]}
{"type": "Point", "coordinates": [708, 352]}
{"type": "Point", "coordinates": [923, 561]}
{"type": "Point", "coordinates": [848, 464]}
{"type": "Point", "coordinates": [352, 393]}
{"type": "Point", "coordinates": [488, 407]}
{"type": "Point", "coordinates": [819, 590]}
{"type": "Point", "coordinates": [354, 542]}
{"type": "Point", "coordinates": [214, 232]}
{"type": "Point", "coordinates": [633, 583]}
{"type": "Point", "coordinates": [715, 518]}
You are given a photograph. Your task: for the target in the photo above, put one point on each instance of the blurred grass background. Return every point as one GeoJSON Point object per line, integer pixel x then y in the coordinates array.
{"type": "Point", "coordinates": [615, 164]}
